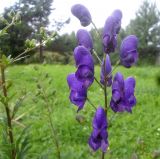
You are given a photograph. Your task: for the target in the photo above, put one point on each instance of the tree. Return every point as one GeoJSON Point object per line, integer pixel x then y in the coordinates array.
{"type": "Point", "coordinates": [147, 28]}
{"type": "Point", "coordinates": [34, 15]}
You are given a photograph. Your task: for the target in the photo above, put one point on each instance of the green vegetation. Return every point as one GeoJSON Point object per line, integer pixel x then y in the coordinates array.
{"type": "Point", "coordinates": [130, 135]}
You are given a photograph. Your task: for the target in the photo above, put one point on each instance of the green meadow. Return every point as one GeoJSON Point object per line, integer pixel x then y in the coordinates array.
{"type": "Point", "coordinates": [131, 136]}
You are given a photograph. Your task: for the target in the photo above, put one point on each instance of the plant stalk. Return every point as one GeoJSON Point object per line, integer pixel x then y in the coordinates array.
{"type": "Point", "coordinates": [9, 120]}
{"type": "Point", "coordinates": [54, 134]}
{"type": "Point", "coordinates": [105, 93]}
{"type": "Point", "coordinates": [91, 104]}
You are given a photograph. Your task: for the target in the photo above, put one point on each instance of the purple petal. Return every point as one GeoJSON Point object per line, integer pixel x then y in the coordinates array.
{"type": "Point", "coordinates": [82, 13]}
{"type": "Point", "coordinates": [128, 51]}
{"type": "Point", "coordinates": [99, 120]}
{"type": "Point", "coordinates": [84, 38]}
{"type": "Point", "coordinates": [104, 145]}
{"type": "Point", "coordinates": [117, 14]}
{"type": "Point", "coordinates": [83, 57]}
{"type": "Point", "coordinates": [116, 96]}
{"type": "Point", "coordinates": [73, 83]}
{"type": "Point", "coordinates": [108, 69]}
{"type": "Point", "coordinates": [94, 144]}
{"type": "Point", "coordinates": [85, 74]}
{"type": "Point", "coordinates": [78, 98]}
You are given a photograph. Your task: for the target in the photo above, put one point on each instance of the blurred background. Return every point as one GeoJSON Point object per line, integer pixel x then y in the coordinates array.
{"type": "Point", "coordinates": [141, 18]}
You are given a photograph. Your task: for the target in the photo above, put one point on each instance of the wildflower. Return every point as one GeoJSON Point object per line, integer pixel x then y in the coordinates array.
{"type": "Point", "coordinates": [99, 135]}
{"type": "Point", "coordinates": [85, 66]}
{"type": "Point", "coordinates": [109, 38]}
{"type": "Point", "coordinates": [78, 94]}
{"type": "Point", "coordinates": [82, 13]}
{"type": "Point", "coordinates": [107, 71]}
{"type": "Point", "coordinates": [123, 98]}
{"type": "Point", "coordinates": [128, 51]}
{"type": "Point", "coordinates": [111, 29]}
{"type": "Point", "coordinates": [84, 38]}
{"type": "Point", "coordinates": [117, 14]}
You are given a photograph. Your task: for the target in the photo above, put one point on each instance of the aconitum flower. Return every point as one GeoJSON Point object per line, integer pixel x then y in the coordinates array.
{"type": "Point", "coordinates": [123, 98]}
{"type": "Point", "coordinates": [85, 66]}
{"type": "Point", "coordinates": [108, 69]}
{"type": "Point", "coordinates": [128, 51]}
{"type": "Point", "coordinates": [78, 94]}
{"type": "Point", "coordinates": [99, 135]}
{"type": "Point", "coordinates": [82, 13]}
{"type": "Point", "coordinates": [84, 38]}
{"type": "Point", "coordinates": [109, 38]}
{"type": "Point", "coordinates": [117, 14]}
{"type": "Point", "coordinates": [111, 29]}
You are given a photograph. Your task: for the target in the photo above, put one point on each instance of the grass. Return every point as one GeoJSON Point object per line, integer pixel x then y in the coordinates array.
{"type": "Point", "coordinates": [130, 135]}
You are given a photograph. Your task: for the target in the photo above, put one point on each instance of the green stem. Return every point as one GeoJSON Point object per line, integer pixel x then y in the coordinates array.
{"type": "Point", "coordinates": [103, 154]}
{"type": "Point", "coordinates": [105, 92]}
{"type": "Point", "coordinates": [95, 53]}
{"type": "Point", "coordinates": [99, 83]}
{"type": "Point", "coordinates": [105, 84]}
{"type": "Point", "coordinates": [116, 65]}
{"type": "Point", "coordinates": [91, 104]}
{"type": "Point", "coordinates": [9, 120]}
{"type": "Point", "coordinates": [97, 31]}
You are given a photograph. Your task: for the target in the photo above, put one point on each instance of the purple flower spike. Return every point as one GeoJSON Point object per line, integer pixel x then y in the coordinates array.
{"type": "Point", "coordinates": [82, 13]}
{"type": "Point", "coordinates": [99, 135]}
{"type": "Point", "coordinates": [128, 51]}
{"type": "Point", "coordinates": [78, 93]}
{"type": "Point", "coordinates": [108, 70]}
{"type": "Point", "coordinates": [123, 98]}
{"type": "Point", "coordinates": [84, 38]}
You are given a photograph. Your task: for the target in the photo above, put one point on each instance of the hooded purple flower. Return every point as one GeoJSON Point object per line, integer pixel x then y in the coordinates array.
{"type": "Point", "coordinates": [123, 98]}
{"type": "Point", "coordinates": [108, 70]}
{"type": "Point", "coordinates": [84, 38]}
{"type": "Point", "coordinates": [117, 14]}
{"type": "Point", "coordinates": [99, 135]}
{"type": "Point", "coordinates": [85, 66]}
{"type": "Point", "coordinates": [78, 93]}
{"type": "Point", "coordinates": [82, 13]}
{"type": "Point", "coordinates": [110, 31]}
{"type": "Point", "coordinates": [109, 35]}
{"type": "Point", "coordinates": [128, 51]}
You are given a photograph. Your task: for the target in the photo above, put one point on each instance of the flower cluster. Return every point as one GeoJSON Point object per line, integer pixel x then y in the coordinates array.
{"type": "Point", "coordinates": [123, 98]}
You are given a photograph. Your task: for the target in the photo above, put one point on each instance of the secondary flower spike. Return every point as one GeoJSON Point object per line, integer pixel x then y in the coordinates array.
{"type": "Point", "coordinates": [99, 135]}
{"type": "Point", "coordinates": [84, 38]}
{"type": "Point", "coordinates": [123, 98]}
{"type": "Point", "coordinates": [107, 71]}
{"type": "Point", "coordinates": [128, 51]}
{"type": "Point", "coordinates": [78, 94]}
{"type": "Point", "coordinates": [82, 13]}
{"type": "Point", "coordinates": [85, 66]}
